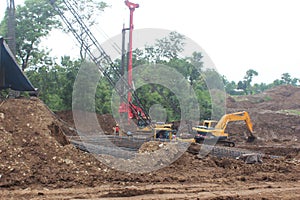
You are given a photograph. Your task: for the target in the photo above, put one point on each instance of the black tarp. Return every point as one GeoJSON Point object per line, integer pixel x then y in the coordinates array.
{"type": "Point", "coordinates": [11, 76]}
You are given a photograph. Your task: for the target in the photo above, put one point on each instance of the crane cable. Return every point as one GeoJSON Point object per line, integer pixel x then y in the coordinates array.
{"type": "Point", "coordinates": [105, 59]}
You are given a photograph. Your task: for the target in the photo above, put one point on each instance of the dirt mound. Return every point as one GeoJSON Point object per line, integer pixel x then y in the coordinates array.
{"type": "Point", "coordinates": [284, 97]}
{"type": "Point", "coordinates": [33, 147]}
{"type": "Point", "coordinates": [275, 115]}
{"type": "Point", "coordinates": [151, 146]}
{"type": "Point", "coordinates": [106, 122]}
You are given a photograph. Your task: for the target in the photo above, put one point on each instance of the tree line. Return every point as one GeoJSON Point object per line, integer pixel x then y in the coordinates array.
{"type": "Point", "coordinates": [245, 86]}
{"type": "Point", "coordinates": [55, 80]}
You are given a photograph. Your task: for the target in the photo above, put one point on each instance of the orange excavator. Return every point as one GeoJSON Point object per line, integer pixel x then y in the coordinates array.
{"type": "Point", "coordinates": [208, 132]}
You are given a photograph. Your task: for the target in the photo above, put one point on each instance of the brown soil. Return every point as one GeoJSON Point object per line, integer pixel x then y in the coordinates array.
{"type": "Point", "coordinates": [274, 113]}
{"type": "Point", "coordinates": [106, 122]}
{"type": "Point", "coordinates": [37, 161]}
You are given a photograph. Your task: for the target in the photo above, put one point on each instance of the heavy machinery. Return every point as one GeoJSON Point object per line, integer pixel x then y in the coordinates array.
{"type": "Point", "coordinates": [164, 133]}
{"type": "Point", "coordinates": [135, 112]}
{"type": "Point", "coordinates": [67, 9]}
{"type": "Point", "coordinates": [208, 132]}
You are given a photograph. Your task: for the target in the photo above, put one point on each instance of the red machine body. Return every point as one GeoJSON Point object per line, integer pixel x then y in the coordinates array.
{"type": "Point", "coordinates": [133, 111]}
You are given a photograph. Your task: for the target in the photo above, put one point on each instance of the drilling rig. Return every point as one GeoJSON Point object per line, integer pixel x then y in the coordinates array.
{"type": "Point", "coordinates": [133, 111]}
{"type": "Point", "coordinates": [127, 108]}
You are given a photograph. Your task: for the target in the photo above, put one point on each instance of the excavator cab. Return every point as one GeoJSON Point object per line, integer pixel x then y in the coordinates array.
{"type": "Point", "coordinates": [209, 123]}
{"type": "Point", "coordinates": [210, 131]}
{"type": "Point", "coordinates": [163, 133]}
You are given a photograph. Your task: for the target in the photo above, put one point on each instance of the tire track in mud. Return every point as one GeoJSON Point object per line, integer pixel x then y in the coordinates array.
{"type": "Point", "coordinates": [163, 191]}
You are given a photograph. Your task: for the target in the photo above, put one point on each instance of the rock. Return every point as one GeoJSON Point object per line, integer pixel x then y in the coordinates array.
{"type": "Point", "coordinates": [251, 158]}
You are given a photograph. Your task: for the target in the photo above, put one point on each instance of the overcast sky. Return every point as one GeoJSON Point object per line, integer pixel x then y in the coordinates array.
{"type": "Point", "coordinates": [238, 35]}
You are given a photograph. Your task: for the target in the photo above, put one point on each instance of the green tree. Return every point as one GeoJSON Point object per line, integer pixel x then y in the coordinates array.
{"type": "Point", "coordinates": [34, 21]}
{"type": "Point", "coordinates": [249, 76]}
{"type": "Point", "coordinates": [195, 68]}
{"type": "Point", "coordinates": [241, 85]}
{"type": "Point", "coordinates": [89, 12]}
{"type": "Point", "coordinates": [170, 47]}
{"type": "Point", "coordinates": [286, 78]}
{"type": "Point", "coordinates": [230, 87]}
{"type": "Point", "coordinates": [164, 49]}
{"type": "Point", "coordinates": [55, 82]}
{"type": "Point", "coordinates": [246, 83]}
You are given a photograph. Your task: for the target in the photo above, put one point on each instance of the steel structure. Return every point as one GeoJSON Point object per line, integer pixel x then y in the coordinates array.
{"type": "Point", "coordinates": [11, 26]}
{"type": "Point", "coordinates": [102, 59]}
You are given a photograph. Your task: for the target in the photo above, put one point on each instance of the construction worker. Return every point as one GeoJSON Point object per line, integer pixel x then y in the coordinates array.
{"type": "Point", "coordinates": [117, 129]}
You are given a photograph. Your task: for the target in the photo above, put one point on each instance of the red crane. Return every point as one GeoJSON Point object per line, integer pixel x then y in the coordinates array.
{"type": "Point", "coordinates": [125, 107]}
{"type": "Point", "coordinates": [71, 18]}
{"type": "Point", "coordinates": [132, 7]}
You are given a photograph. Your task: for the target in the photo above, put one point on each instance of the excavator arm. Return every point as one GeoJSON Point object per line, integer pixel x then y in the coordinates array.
{"type": "Point", "coordinates": [219, 130]}
{"type": "Point", "coordinates": [238, 116]}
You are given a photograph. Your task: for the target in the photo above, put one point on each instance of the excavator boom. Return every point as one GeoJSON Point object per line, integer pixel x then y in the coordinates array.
{"type": "Point", "coordinates": [238, 116]}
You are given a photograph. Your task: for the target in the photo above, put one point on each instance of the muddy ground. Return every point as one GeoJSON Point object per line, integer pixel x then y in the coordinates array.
{"type": "Point", "coordinates": [38, 162]}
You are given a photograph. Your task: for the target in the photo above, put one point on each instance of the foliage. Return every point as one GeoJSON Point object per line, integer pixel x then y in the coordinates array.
{"type": "Point", "coordinates": [35, 20]}
{"type": "Point", "coordinates": [290, 112]}
{"type": "Point", "coordinates": [246, 83]}
{"type": "Point", "coordinates": [56, 81]}
{"type": "Point", "coordinates": [286, 79]}
{"type": "Point", "coordinates": [89, 12]}
{"type": "Point", "coordinates": [56, 84]}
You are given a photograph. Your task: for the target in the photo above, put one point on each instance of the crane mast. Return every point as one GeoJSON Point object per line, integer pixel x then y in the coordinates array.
{"type": "Point", "coordinates": [124, 107]}
{"type": "Point", "coordinates": [102, 59]}
{"type": "Point", "coordinates": [11, 26]}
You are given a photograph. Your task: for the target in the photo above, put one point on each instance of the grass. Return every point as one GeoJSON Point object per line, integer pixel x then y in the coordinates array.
{"type": "Point", "coordinates": [267, 98]}
{"type": "Point", "coordinates": [291, 112]}
{"type": "Point", "coordinates": [253, 99]}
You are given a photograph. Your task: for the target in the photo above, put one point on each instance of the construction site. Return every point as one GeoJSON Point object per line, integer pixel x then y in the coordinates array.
{"type": "Point", "coordinates": [250, 152]}
{"type": "Point", "coordinates": [38, 161]}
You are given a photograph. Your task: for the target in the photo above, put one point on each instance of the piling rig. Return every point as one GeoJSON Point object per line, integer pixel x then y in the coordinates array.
{"type": "Point", "coordinates": [131, 111]}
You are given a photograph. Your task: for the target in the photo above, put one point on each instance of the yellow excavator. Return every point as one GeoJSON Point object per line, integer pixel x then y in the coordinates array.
{"type": "Point", "coordinates": [214, 131]}
{"type": "Point", "coordinates": [156, 125]}
{"type": "Point", "coordinates": [164, 133]}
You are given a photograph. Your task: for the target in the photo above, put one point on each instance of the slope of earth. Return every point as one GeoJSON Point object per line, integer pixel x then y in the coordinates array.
{"type": "Point", "coordinates": [106, 122]}
{"type": "Point", "coordinates": [275, 114]}
{"type": "Point", "coordinates": [35, 158]}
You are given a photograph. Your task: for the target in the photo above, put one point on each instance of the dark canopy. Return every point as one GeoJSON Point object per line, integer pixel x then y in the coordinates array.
{"type": "Point", "coordinates": [11, 76]}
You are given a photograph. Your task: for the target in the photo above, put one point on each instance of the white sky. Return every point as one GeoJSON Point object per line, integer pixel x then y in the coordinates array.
{"type": "Point", "coordinates": [238, 35]}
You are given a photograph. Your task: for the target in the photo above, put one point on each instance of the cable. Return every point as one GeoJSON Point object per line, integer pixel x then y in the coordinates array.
{"type": "Point", "coordinates": [103, 59]}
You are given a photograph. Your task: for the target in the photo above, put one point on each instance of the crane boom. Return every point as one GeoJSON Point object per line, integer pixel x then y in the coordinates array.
{"type": "Point", "coordinates": [103, 60]}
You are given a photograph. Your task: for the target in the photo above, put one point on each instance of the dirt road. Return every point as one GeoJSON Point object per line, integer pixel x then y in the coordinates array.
{"type": "Point", "coordinates": [282, 190]}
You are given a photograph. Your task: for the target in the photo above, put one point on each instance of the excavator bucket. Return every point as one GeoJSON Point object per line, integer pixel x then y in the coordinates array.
{"type": "Point", "coordinates": [251, 138]}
